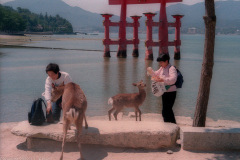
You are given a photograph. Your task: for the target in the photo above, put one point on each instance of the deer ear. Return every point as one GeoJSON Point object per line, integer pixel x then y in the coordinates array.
{"type": "Point", "coordinates": [53, 86]}
{"type": "Point", "coordinates": [134, 84]}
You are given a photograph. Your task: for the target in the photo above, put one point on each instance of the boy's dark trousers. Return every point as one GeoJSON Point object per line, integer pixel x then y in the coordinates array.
{"type": "Point", "coordinates": [56, 107]}
{"type": "Point", "coordinates": [168, 99]}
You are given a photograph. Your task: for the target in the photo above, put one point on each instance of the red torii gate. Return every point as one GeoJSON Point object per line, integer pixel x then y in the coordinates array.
{"type": "Point", "coordinates": [163, 30]}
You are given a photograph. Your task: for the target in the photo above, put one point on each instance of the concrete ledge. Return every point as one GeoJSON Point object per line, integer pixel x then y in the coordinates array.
{"type": "Point", "coordinates": [210, 139]}
{"type": "Point", "coordinates": [144, 134]}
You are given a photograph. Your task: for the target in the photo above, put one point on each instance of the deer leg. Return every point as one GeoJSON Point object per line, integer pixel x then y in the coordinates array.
{"type": "Point", "coordinates": [86, 124]}
{"type": "Point", "coordinates": [66, 124]}
{"type": "Point", "coordinates": [136, 114]}
{"type": "Point", "coordinates": [116, 113]}
{"type": "Point", "coordinates": [140, 113]}
{"type": "Point", "coordinates": [79, 124]}
{"type": "Point", "coordinates": [109, 113]}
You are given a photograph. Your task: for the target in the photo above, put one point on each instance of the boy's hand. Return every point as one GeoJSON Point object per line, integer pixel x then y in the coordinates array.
{"type": "Point", "coordinates": [49, 106]}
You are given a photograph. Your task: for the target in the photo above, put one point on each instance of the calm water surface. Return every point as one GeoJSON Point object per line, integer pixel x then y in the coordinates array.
{"type": "Point", "coordinates": [22, 75]}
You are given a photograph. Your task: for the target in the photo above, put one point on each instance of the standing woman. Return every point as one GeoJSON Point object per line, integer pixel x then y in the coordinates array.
{"type": "Point", "coordinates": [167, 74]}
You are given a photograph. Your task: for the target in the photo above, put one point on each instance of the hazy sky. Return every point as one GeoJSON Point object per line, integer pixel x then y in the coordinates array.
{"type": "Point", "coordinates": [101, 6]}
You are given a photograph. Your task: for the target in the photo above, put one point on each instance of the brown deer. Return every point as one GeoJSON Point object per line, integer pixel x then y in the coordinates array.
{"type": "Point", "coordinates": [74, 105]}
{"type": "Point", "coordinates": [129, 100]}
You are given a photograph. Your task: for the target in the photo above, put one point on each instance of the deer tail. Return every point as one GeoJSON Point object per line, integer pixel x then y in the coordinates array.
{"type": "Point", "coordinates": [110, 101]}
{"type": "Point", "coordinates": [72, 114]}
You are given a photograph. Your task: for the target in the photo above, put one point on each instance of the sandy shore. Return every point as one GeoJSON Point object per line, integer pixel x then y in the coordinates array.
{"type": "Point", "coordinates": [14, 147]}
{"type": "Point", "coordinates": [20, 40]}
{"type": "Point", "coordinates": [12, 40]}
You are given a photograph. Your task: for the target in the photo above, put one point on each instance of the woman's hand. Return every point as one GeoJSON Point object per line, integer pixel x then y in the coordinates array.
{"type": "Point", "coordinates": [49, 107]}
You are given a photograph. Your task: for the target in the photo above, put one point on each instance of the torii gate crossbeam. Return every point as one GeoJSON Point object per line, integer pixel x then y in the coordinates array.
{"type": "Point", "coordinates": [118, 2]}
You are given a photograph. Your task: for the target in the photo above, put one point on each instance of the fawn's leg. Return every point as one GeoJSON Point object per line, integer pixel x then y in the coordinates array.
{"type": "Point", "coordinates": [66, 124]}
{"type": "Point", "coordinates": [140, 114]}
{"type": "Point", "coordinates": [79, 124]}
{"type": "Point", "coordinates": [116, 112]}
{"type": "Point", "coordinates": [86, 124]}
{"type": "Point", "coordinates": [109, 113]}
{"type": "Point", "coordinates": [136, 114]}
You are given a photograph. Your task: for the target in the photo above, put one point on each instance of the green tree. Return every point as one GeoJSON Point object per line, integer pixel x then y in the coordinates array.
{"type": "Point", "coordinates": [23, 20]}
{"type": "Point", "coordinates": [10, 20]}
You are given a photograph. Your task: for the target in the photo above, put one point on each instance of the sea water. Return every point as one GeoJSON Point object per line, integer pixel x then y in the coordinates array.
{"type": "Point", "coordinates": [22, 74]}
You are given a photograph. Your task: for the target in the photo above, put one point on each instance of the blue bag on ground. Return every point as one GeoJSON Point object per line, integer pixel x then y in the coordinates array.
{"type": "Point", "coordinates": [36, 115]}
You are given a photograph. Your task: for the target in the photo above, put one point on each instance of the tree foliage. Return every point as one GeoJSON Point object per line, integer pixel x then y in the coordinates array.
{"type": "Point", "coordinates": [24, 20]}
{"type": "Point", "coordinates": [10, 20]}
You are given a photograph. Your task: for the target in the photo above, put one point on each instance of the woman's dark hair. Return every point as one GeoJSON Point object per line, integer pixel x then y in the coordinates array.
{"type": "Point", "coordinates": [52, 67]}
{"type": "Point", "coordinates": [163, 57]}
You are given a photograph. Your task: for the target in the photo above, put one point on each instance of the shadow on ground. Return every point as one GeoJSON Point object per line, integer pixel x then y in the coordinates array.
{"type": "Point", "coordinates": [90, 151]}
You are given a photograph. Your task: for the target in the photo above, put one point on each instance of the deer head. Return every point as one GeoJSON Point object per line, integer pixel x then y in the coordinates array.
{"type": "Point", "coordinates": [139, 84]}
{"type": "Point", "coordinates": [57, 92]}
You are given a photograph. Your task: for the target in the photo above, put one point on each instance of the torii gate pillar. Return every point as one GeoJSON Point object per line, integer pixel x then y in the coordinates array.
{"type": "Point", "coordinates": [149, 42]}
{"type": "Point", "coordinates": [106, 41]}
{"type": "Point", "coordinates": [163, 29]}
{"type": "Point", "coordinates": [135, 52]}
{"type": "Point", "coordinates": [177, 44]}
{"type": "Point", "coordinates": [122, 47]}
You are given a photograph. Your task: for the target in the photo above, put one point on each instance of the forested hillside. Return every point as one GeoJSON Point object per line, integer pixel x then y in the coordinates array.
{"type": "Point", "coordinates": [12, 21]}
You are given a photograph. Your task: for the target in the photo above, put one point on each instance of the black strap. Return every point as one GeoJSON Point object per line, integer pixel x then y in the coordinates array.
{"type": "Point", "coordinates": [43, 102]}
{"type": "Point", "coordinates": [168, 73]}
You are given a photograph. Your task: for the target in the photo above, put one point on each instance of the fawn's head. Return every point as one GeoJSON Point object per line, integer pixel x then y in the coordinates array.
{"type": "Point", "coordinates": [140, 84]}
{"type": "Point", "coordinates": [57, 92]}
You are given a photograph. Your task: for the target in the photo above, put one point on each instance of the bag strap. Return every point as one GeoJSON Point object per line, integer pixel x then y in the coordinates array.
{"type": "Point", "coordinates": [168, 71]}
{"type": "Point", "coordinates": [43, 102]}
{"type": "Point", "coordinates": [44, 105]}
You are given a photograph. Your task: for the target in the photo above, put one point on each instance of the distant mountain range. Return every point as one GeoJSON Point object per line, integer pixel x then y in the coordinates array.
{"type": "Point", "coordinates": [227, 12]}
